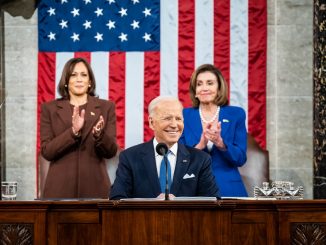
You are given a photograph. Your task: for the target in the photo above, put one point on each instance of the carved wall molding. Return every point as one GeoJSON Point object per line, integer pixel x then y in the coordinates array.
{"type": "Point", "coordinates": [308, 233]}
{"type": "Point", "coordinates": [21, 234]}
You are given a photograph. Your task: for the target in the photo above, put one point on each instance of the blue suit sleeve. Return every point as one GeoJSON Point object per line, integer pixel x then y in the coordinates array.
{"type": "Point", "coordinates": [236, 152]}
{"type": "Point", "coordinates": [123, 184]}
{"type": "Point", "coordinates": [206, 184]}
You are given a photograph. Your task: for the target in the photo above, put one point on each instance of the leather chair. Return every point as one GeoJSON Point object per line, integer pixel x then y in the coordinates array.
{"type": "Point", "coordinates": [256, 169]}
{"type": "Point", "coordinates": [43, 168]}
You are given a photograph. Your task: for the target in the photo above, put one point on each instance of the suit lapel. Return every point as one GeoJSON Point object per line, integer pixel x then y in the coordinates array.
{"type": "Point", "coordinates": [149, 165]}
{"type": "Point", "coordinates": [224, 118]}
{"type": "Point", "coordinates": [181, 167]}
{"type": "Point", "coordinates": [64, 111]}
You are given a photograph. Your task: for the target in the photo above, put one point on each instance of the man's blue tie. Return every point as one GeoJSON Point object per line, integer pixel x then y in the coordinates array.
{"type": "Point", "coordinates": [163, 174]}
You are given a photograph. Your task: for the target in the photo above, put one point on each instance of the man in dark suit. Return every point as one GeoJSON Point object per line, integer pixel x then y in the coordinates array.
{"type": "Point", "coordinates": [139, 170]}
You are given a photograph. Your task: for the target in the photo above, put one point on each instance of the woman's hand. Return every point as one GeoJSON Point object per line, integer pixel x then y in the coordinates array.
{"type": "Point", "coordinates": [214, 135]}
{"type": "Point", "coordinates": [78, 120]}
{"type": "Point", "coordinates": [98, 128]}
{"type": "Point", "coordinates": [202, 143]}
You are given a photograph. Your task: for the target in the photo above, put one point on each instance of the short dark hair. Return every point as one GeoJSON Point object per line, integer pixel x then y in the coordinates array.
{"type": "Point", "coordinates": [222, 87]}
{"type": "Point", "coordinates": [66, 74]}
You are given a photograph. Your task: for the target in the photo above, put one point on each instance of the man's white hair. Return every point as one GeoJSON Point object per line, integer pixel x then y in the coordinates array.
{"type": "Point", "coordinates": [162, 98]}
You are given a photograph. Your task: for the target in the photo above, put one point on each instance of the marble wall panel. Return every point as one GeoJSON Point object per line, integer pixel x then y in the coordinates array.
{"type": "Point", "coordinates": [271, 5]}
{"type": "Point", "coordinates": [271, 62]}
{"type": "Point", "coordinates": [25, 176]}
{"type": "Point", "coordinates": [271, 137]}
{"type": "Point", "coordinates": [294, 138]}
{"type": "Point", "coordinates": [21, 60]}
{"type": "Point", "coordinates": [21, 89]}
{"type": "Point", "coordinates": [294, 60]}
{"type": "Point", "coordinates": [300, 176]}
{"type": "Point", "coordinates": [289, 12]}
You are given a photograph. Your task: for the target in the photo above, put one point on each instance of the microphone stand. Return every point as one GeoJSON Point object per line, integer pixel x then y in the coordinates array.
{"type": "Point", "coordinates": [167, 177]}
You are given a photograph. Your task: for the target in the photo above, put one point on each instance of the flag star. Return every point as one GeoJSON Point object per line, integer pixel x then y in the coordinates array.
{"type": "Point", "coordinates": [147, 37]}
{"type": "Point", "coordinates": [87, 24]}
{"type": "Point", "coordinates": [147, 12]}
{"type": "Point", "coordinates": [51, 36]}
{"type": "Point", "coordinates": [75, 12]}
{"type": "Point", "coordinates": [75, 37]}
{"type": "Point", "coordinates": [87, 1]}
{"type": "Point", "coordinates": [98, 12]}
{"type": "Point", "coordinates": [51, 11]}
{"type": "Point", "coordinates": [135, 24]}
{"type": "Point", "coordinates": [99, 37]}
{"type": "Point", "coordinates": [123, 12]}
{"type": "Point", "coordinates": [111, 1]}
{"type": "Point", "coordinates": [63, 24]}
{"type": "Point", "coordinates": [135, 1]}
{"type": "Point", "coordinates": [111, 24]}
{"type": "Point", "coordinates": [123, 37]}
{"type": "Point", "coordinates": [64, 1]}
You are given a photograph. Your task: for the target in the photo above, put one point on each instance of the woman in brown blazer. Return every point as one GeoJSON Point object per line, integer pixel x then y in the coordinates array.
{"type": "Point", "coordinates": [78, 131]}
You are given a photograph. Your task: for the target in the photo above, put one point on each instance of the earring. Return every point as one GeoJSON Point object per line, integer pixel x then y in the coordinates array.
{"type": "Point", "coordinates": [89, 85]}
{"type": "Point", "coordinates": [66, 85]}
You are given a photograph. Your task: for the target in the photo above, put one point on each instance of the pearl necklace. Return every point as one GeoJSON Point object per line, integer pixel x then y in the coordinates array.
{"type": "Point", "coordinates": [212, 119]}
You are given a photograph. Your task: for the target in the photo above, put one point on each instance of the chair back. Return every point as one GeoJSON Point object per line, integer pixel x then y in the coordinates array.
{"type": "Point", "coordinates": [43, 168]}
{"type": "Point", "coordinates": [256, 169]}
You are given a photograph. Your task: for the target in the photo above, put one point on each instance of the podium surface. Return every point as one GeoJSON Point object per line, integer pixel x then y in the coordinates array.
{"type": "Point", "coordinates": [163, 222]}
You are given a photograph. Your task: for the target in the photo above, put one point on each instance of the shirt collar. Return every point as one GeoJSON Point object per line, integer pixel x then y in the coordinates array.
{"type": "Point", "coordinates": [173, 149]}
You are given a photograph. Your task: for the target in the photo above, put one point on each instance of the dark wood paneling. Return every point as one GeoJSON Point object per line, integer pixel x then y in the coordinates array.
{"type": "Point", "coordinates": [163, 222]}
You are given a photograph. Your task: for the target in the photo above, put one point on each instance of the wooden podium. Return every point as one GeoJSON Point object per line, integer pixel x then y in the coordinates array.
{"type": "Point", "coordinates": [163, 222]}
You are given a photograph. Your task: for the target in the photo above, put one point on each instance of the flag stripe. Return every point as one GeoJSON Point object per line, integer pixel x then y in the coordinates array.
{"type": "Point", "coordinates": [186, 48]}
{"type": "Point", "coordinates": [45, 92]}
{"type": "Point", "coordinates": [134, 98]}
{"type": "Point", "coordinates": [222, 37]}
{"type": "Point", "coordinates": [239, 54]}
{"type": "Point", "coordinates": [204, 36]}
{"type": "Point", "coordinates": [85, 55]}
{"type": "Point", "coordinates": [151, 86]}
{"type": "Point", "coordinates": [169, 48]}
{"type": "Point", "coordinates": [117, 91]}
{"type": "Point", "coordinates": [100, 66]}
{"type": "Point", "coordinates": [257, 70]}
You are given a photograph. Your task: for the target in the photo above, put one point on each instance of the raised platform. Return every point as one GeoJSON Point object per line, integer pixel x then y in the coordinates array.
{"type": "Point", "coordinates": [163, 222]}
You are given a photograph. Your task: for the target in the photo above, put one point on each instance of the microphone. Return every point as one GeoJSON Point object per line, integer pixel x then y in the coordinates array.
{"type": "Point", "coordinates": [162, 150]}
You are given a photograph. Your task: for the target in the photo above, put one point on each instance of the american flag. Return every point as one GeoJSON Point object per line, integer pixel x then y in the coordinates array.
{"type": "Point", "coordinates": [140, 49]}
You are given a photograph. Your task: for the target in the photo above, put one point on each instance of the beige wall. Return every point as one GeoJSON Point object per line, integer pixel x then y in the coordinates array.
{"type": "Point", "coordinates": [289, 95]}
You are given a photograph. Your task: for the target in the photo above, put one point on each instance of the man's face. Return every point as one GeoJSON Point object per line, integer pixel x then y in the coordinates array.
{"type": "Point", "coordinates": [167, 122]}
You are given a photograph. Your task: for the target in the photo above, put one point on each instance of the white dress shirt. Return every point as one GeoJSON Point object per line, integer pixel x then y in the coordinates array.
{"type": "Point", "coordinates": [172, 157]}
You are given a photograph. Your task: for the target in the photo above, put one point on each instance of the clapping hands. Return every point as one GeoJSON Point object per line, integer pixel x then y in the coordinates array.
{"type": "Point", "coordinates": [211, 132]}
{"type": "Point", "coordinates": [98, 128]}
{"type": "Point", "coordinates": [78, 120]}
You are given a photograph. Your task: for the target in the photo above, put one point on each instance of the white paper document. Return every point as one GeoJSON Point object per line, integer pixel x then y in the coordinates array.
{"type": "Point", "coordinates": [248, 198]}
{"type": "Point", "coordinates": [172, 199]}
